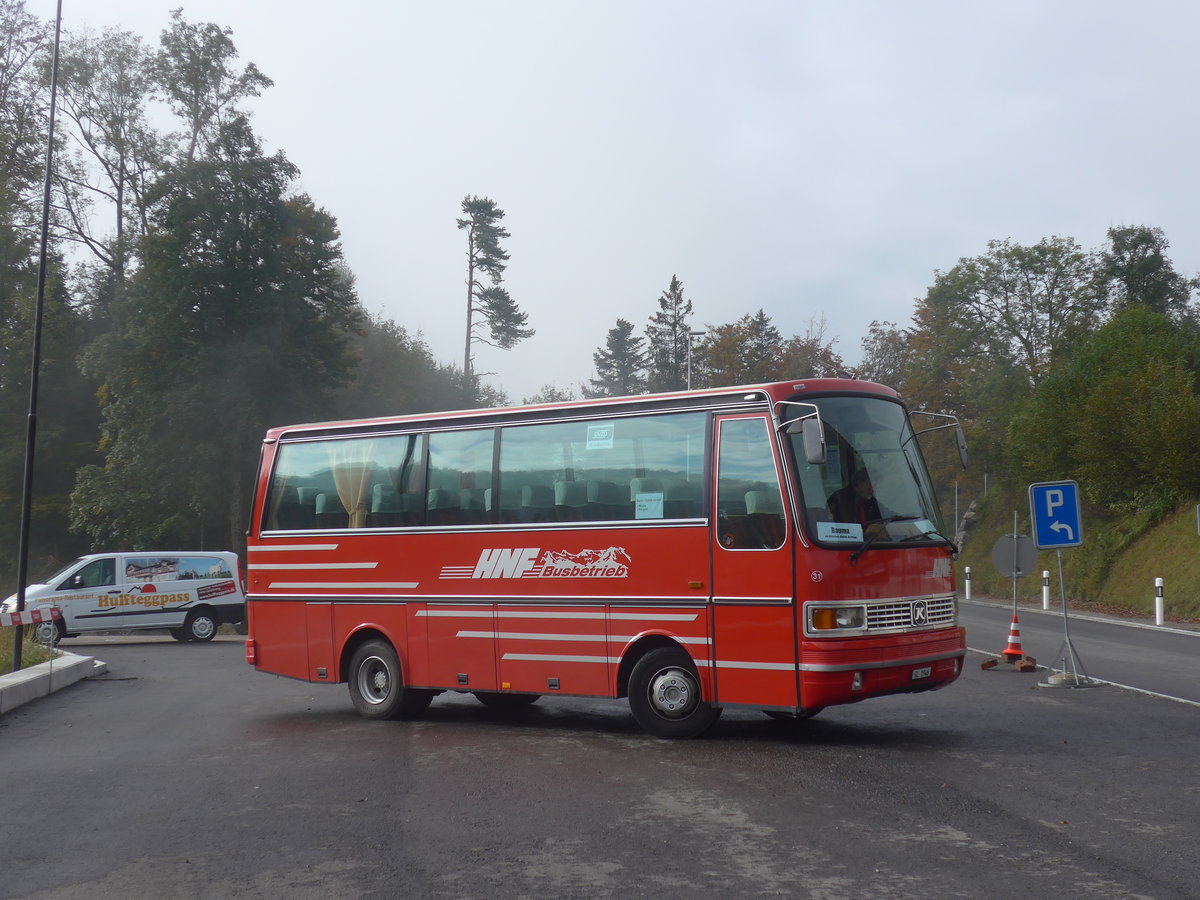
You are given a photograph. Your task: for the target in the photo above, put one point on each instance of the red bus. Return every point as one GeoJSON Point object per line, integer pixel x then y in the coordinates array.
{"type": "Point", "coordinates": [775, 546]}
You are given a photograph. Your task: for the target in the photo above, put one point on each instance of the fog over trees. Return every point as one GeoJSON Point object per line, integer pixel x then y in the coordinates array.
{"type": "Point", "coordinates": [196, 297]}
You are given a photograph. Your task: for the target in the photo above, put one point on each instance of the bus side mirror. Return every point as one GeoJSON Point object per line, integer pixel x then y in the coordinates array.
{"type": "Point", "coordinates": [961, 440]}
{"type": "Point", "coordinates": [813, 435]}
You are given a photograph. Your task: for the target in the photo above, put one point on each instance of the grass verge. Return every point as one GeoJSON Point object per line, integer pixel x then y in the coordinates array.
{"type": "Point", "coordinates": [32, 652]}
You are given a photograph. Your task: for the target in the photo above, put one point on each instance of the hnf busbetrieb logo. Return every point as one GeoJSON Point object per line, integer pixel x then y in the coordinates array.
{"type": "Point", "coordinates": [533, 562]}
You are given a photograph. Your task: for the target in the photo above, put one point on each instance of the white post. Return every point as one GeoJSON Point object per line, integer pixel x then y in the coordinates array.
{"type": "Point", "coordinates": [1045, 589]}
{"type": "Point", "coordinates": [967, 583]}
{"type": "Point", "coordinates": [1158, 601]}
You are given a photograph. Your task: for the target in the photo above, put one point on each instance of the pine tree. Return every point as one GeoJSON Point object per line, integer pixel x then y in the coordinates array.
{"type": "Point", "coordinates": [620, 364]}
{"type": "Point", "coordinates": [488, 305]}
{"type": "Point", "coordinates": [668, 335]}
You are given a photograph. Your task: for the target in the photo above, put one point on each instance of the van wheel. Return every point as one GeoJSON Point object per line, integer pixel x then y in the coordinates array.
{"type": "Point", "coordinates": [200, 626]}
{"type": "Point", "coordinates": [377, 686]}
{"type": "Point", "coordinates": [49, 633]}
{"type": "Point", "coordinates": [665, 697]}
{"type": "Point", "coordinates": [180, 634]}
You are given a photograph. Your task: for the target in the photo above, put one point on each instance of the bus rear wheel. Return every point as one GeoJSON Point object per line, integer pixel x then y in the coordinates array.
{"type": "Point", "coordinates": [665, 695]}
{"type": "Point", "coordinates": [377, 686]}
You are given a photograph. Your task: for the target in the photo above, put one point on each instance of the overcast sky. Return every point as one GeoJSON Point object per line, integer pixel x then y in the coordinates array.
{"type": "Point", "coordinates": [809, 159]}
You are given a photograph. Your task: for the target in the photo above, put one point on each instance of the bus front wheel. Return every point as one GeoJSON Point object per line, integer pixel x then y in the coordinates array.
{"type": "Point", "coordinates": [377, 687]}
{"type": "Point", "coordinates": [665, 696]}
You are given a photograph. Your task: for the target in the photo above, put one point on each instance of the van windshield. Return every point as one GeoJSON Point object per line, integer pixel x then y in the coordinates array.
{"type": "Point", "coordinates": [874, 484]}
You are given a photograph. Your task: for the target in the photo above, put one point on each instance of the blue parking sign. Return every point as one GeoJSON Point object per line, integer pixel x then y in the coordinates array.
{"type": "Point", "coordinates": [1054, 510]}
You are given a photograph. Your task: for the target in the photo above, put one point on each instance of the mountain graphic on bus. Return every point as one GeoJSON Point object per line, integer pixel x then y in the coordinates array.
{"type": "Point", "coordinates": [612, 562]}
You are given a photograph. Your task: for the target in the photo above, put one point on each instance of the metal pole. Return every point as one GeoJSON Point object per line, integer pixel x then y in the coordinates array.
{"type": "Point", "coordinates": [36, 361]}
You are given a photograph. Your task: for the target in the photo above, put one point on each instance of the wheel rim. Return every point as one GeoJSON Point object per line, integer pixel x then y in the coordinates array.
{"type": "Point", "coordinates": [202, 627]}
{"type": "Point", "coordinates": [374, 680]}
{"type": "Point", "coordinates": [673, 693]}
{"type": "Point", "coordinates": [46, 633]}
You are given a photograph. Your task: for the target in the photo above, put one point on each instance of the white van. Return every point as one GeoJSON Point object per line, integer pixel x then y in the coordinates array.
{"type": "Point", "coordinates": [189, 593]}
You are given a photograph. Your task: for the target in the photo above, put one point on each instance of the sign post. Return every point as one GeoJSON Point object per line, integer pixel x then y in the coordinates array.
{"type": "Point", "coordinates": [1054, 511]}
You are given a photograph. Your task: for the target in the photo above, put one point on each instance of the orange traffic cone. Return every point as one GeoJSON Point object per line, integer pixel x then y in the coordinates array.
{"type": "Point", "coordinates": [1013, 651]}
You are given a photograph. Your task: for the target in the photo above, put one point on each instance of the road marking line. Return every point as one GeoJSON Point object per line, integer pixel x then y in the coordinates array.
{"type": "Point", "coordinates": [1127, 687]}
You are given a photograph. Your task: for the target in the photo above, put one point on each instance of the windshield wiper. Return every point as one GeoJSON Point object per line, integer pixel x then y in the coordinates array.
{"type": "Point", "coordinates": [935, 533]}
{"type": "Point", "coordinates": [882, 523]}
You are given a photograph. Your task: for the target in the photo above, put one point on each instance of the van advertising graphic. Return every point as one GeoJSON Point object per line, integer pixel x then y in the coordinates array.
{"type": "Point", "coordinates": [533, 562]}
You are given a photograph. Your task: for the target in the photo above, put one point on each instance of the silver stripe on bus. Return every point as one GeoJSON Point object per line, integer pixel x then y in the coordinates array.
{"type": "Point", "coordinates": [292, 547]}
{"type": "Point", "coordinates": [766, 666]}
{"type": "Point", "coordinates": [536, 636]}
{"type": "Point", "coordinates": [550, 657]}
{"type": "Point", "coordinates": [374, 585]}
{"type": "Point", "coordinates": [885, 664]}
{"type": "Point", "coordinates": [294, 566]}
{"type": "Point", "coordinates": [531, 614]}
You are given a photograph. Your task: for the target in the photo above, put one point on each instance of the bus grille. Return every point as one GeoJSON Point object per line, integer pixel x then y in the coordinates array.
{"type": "Point", "coordinates": [898, 615]}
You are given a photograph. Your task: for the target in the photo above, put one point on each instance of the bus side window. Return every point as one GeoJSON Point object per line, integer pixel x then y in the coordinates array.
{"type": "Point", "coordinates": [460, 477]}
{"type": "Point", "coordinates": [748, 495]}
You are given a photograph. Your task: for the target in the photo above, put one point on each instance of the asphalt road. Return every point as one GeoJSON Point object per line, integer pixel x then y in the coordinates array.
{"type": "Point", "coordinates": [183, 773]}
{"type": "Point", "coordinates": [1133, 653]}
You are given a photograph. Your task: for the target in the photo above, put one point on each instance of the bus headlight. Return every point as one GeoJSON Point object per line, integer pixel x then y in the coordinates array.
{"type": "Point", "coordinates": [837, 618]}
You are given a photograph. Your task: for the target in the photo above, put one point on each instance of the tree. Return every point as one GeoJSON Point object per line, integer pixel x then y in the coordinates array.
{"type": "Point", "coordinates": [886, 354]}
{"type": "Point", "coordinates": [195, 70]}
{"type": "Point", "coordinates": [394, 373]}
{"type": "Point", "coordinates": [1134, 269]}
{"type": "Point", "coordinates": [489, 305]}
{"type": "Point", "coordinates": [668, 337]}
{"type": "Point", "coordinates": [23, 118]}
{"type": "Point", "coordinates": [1122, 416]}
{"type": "Point", "coordinates": [747, 351]}
{"type": "Point", "coordinates": [106, 85]}
{"type": "Point", "coordinates": [620, 364]}
{"type": "Point", "coordinates": [811, 355]}
{"type": "Point", "coordinates": [549, 393]}
{"type": "Point", "coordinates": [235, 319]}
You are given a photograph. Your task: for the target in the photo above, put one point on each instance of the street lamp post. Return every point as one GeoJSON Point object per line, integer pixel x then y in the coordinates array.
{"type": "Point", "coordinates": [691, 335]}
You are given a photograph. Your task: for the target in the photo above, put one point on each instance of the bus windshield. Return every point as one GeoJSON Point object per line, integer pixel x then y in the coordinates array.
{"type": "Point", "coordinates": [874, 485]}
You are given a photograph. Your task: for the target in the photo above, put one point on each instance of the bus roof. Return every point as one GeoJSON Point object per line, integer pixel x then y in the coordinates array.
{"type": "Point", "coordinates": [736, 396]}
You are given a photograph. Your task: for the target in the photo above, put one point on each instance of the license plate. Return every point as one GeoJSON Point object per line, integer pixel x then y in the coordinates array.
{"type": "Point", "coordinates": [924, 672]}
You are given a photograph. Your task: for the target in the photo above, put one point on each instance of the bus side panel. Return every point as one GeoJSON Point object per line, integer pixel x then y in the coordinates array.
{"type": "Point", "coordinates": [550, 649]}
{"type": "Point", "coordinates": [320, 642]}
{"type": "Point", "coordinates": [348, 619]}
{"type": "Point", "coordinates": [462, 646]}
{"type": "Point", "coordinates": [284, 625]}
{"type": "Point", "coordinates": [756, 654]}
{"type": "Point", "coordinates": [688, 626]}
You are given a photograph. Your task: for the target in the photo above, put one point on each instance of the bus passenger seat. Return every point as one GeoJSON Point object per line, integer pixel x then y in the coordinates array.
{"type": "Point", "coordinates": [605, 501]}
{"type": "Point", "coordinates": [537, 503]}
{"type": "Point", "coordinates": [570, 501]}
{"type": "Point", "coordinates": [681, 500]}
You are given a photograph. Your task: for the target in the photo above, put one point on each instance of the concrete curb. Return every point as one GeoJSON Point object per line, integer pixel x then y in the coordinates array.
{"type": "Point", "coordinates": [19, 688]}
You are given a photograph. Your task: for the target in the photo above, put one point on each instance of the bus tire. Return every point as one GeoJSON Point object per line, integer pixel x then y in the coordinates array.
{"type": "Point", "coordinates": [377, 685]}
{"type": "Point", "coordinates": [665, 695]}
{"type": "Point", "coordinates": [494, 700]}
{"type": "Point", "coordinates": [200, 625]}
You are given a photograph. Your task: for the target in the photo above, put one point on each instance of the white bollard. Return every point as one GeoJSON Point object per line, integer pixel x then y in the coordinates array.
{"type": "Point", "coordinates": [1045, 589]}
{"type": "Point", "coordinates": [967, 583]}
{"type": "Point", "coordinates": [1158, 601]}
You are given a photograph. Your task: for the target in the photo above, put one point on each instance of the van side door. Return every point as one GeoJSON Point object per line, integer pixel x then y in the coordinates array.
{"type": "Point", "coordinates": [90, 597]}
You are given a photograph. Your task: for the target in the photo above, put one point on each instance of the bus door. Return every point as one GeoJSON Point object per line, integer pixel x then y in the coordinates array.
{"type": "Point", "coordinates": [753, 622]}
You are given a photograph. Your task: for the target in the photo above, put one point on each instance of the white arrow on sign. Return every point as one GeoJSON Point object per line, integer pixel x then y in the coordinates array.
{"type": "Point", "coordinates": [1063, 526]}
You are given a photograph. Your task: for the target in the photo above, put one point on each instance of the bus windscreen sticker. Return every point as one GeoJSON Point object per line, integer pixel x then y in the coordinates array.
{"type": "Point", "coordinates": [840, 531]}
{"type": "Point", "coordinates": [600, 437]}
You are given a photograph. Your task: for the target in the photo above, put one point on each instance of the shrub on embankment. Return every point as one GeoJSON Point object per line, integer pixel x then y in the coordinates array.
{"type": "Point", "coordinates": [1112, 571]}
